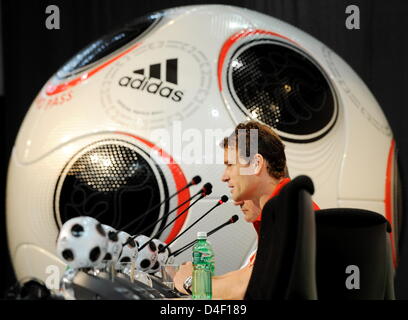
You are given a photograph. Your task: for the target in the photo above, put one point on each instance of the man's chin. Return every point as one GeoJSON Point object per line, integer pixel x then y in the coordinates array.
{"type": "Point", "coordinates": [237, 196]}
{"type": "Point", "coordinates": [247, 219]}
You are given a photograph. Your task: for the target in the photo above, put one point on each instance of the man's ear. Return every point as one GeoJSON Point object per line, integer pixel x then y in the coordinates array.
{"type": "Point", "coordinates": [258, 162]}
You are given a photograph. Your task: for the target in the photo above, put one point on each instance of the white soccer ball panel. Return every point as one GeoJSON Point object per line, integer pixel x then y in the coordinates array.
{"type": "Point", "coordinates": [148, 255]}
{"type": "Point", "coordinates": [129, 252]}
{"type": "Point", "coordinates": [82, 242]}
{"type": "Point", "coordinates": [114, 247]}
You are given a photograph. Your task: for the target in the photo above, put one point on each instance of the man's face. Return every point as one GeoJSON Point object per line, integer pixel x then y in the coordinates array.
{"type": "Point", "coordinates": [241, 183]}
{"type": "Point", "coordinates": [249, 209]}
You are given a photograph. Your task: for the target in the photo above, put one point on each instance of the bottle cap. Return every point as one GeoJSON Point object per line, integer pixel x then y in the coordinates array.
{"type": "Point", "coordinates": [201, 235]}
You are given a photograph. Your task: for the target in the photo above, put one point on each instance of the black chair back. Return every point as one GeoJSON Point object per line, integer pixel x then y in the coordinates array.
{"type": "Point", "coordinates": [353, 255]}
{"type": "Point", "coordinates": [285, 262]}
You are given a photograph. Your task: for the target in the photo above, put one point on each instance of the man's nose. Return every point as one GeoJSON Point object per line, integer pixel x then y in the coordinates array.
{"type": "Point", "coordinates": [224, 177]}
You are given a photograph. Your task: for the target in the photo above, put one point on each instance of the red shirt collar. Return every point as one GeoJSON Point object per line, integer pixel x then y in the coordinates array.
{"type": "Point", "coordinates": [275, 192]}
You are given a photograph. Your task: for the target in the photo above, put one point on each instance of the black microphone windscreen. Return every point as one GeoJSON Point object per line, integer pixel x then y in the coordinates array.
{"type": "Point", "coordinates": [196, 180]}
{"type": "Point", "coordinates": [207, 186]}
{"type": "Point", "coordinates": [224, 198]}
{"type": "Point", "coordinates": [206, 189]}
{"type": "Point", "coordinates": [234, 218]}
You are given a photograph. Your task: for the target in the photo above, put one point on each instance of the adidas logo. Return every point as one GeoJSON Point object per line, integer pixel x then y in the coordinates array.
{"type": "Point", "coordinates": [153, 84]}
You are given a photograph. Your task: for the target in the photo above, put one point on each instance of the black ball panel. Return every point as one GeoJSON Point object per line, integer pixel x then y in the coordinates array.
{"type": "Point", "coordinates": [152, 246]}
{"type": "Point", "coordinates": [145, 263]}
{"type": "Point", "coordinates": [156, 265]}
{"type": "Point", "coordinates": [125, 259]}
{"type": "Point", "coordinates": [107, 257]}
{"type": "Point", "coordinates": [68, 255]}
{"type": "Point", "coordinates": [94, 254]}
{"type": "Point", "coordinates": [131, 243]}
{"type": "Point", "coordinates": [281, 87]}
{"type": "Point", "coordinates": [107, 44]}
{"type": "Point", "coordinates": [77, 230]}
{"type": "Point", "coordinates": [100, 230]}
{"type": "Point", "coordinates": [113, 236]}
{"type": "Point", "coordinates": [106, 182]}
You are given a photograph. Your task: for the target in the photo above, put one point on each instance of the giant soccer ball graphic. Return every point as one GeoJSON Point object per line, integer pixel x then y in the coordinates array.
{"type": "Point", "coordinates": [112, 133]}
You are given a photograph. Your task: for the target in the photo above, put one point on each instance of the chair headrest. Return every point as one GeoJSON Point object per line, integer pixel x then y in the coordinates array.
{"type": "Point", "coordinates": [301, 182]}
{"type": "Point", "coordinates": [350, 217]}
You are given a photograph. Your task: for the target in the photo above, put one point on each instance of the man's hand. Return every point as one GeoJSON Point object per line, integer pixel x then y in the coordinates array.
{"type": "Point", "coordinates": [185, 270]}
{"type": "Point", "coordinates": [230, 286]}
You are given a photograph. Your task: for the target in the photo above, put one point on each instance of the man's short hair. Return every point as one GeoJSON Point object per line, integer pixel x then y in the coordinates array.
{"type": "Point", "coordinates": [270, 146]}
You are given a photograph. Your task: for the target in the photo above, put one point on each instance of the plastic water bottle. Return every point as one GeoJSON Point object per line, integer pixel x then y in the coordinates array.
{"type": "Point", "coordinates": [203, 268]}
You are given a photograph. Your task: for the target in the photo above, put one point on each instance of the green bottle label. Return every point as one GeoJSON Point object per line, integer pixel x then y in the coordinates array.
{"type": "Point", "coordinates": [200, 257]}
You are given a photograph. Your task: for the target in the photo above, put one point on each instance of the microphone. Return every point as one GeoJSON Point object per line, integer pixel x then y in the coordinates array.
{"type": "Point", "coordinates": [223, 199]}
{"type": "Point", "coordinates": [205, 191]}
{"type": "Point", "coordinates": [194, 181]}
{"type": "Point", "coordinates": [231, 220]}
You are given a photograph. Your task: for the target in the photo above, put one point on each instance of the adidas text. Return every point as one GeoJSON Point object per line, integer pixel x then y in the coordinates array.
{"type": "Point", "coordinates": [151, 86]}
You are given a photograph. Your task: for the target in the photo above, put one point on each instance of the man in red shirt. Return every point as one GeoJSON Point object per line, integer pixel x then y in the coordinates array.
{"type": "Point", "coordinates": [255, 171]}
